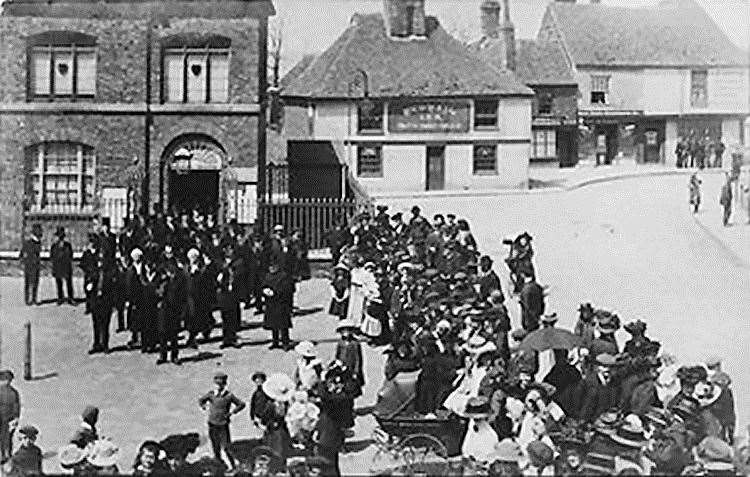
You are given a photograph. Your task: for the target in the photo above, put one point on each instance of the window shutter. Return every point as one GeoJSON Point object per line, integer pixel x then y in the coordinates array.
{"type": "Point", "coordinates": [63, 73]}
{"type": "Point", "coordinates": [174, 69]}
{"type": "Point", "coordinates": [196, 83]}
{"type": "Point", "coordinates": [86, 73]}
{"type": "Point", "coordinates": [219, 79]}
{"type": "Point", "coordinates": [40, 63]}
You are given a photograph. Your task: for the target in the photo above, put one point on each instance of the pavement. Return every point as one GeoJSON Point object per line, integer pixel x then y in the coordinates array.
{"type": "Point", "coordinates": [629, 245]}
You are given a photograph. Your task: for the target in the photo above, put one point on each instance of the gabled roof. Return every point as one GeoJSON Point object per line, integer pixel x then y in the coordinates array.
{"type": "Point", "coordinates": [438, 65]}
{"type": "Point", "coordinates": [537, 62]}
{"type": "Point", "coordinates": [297, 69]}
{"type": "Point", "coordinates": [601, 35]}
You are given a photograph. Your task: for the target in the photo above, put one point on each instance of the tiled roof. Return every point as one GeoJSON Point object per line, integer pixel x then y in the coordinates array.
{"type": "Point", "coordinates": [537, 63]}
{"type": "Point", "coordinates": [297, 69]}
{"type": "Point", "coordinates": [438, 65]}
{"type": "Point", "coordinates": [597, 34]}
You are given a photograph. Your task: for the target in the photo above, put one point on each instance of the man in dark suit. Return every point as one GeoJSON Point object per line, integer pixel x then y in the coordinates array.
{"type": "Point", "coordinates": [103, 294]}
{"type": "Point", "coordinates": [172, 313]}
{"type": "Point", "coordinates": [229, 299]}
{"type": "Point", "coordinates": [32, 248]}
{"type": "Point", "coordinates": [278, 289]}
{"type": "Point", "coordinates": [598, 394]}
{"type": "Point", "coordinates": [532, 304]}
{"type": "Point", "coordinates": [88, 266]}
{"type": "Point", "coordinates": [107, 243]}
{"type": "Point", "coordinates": [61, 254]}
{"type": "Point", "coordinates": [488, 279]}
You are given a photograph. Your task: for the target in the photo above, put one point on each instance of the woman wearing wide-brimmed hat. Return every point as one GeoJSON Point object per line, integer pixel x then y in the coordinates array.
{"type": "Point", "coordinates": [280, 389]}
{"type": "Point", "coordinates": [309, 368]}
{"type": "Point", "coordinates": [479, 352]}
{"type": "Point", "coordinates": [340, 284]}
{"type": "Point", "coordinates": [480, 440]}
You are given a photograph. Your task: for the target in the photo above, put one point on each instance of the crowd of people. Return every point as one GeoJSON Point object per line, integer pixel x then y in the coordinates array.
{"type": "Point", "coordinates": [536, 400]}
{"type": "Point", "coordinates": [694, 150]}
{"type": "Point", "coordinates": [169, 274]}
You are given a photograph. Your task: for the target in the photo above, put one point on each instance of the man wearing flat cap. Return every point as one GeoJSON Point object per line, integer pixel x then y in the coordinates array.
{"type": "Point", "coordinates": [10, 411]}
{"type": "Point", "coordinates": [61, 255]}
{"type": "Point", "coordinates": [599, 394]}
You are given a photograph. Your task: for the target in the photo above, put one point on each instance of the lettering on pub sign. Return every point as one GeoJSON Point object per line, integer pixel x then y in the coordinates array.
{"type": "Point", "coordinates": [428, 117]}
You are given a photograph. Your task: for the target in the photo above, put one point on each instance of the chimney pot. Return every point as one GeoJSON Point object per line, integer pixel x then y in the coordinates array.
{"type": "Point", "coordinates": [405, 18]}
{"type": "Point", "coordinates": [490, 18]}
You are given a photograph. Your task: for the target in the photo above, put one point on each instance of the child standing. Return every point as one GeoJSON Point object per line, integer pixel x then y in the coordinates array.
{"type": "Point", "coordinates": [340, 285]}
{"type": "Point", "coordinates": [220, 405]}
{"type": "Point", "coordinates": [259, 399]}
{"type": "Point", "coordinates": [27, 460]}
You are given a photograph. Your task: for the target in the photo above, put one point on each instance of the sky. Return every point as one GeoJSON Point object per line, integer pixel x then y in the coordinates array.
{"type": "Point", "coordinates": [310, 26]}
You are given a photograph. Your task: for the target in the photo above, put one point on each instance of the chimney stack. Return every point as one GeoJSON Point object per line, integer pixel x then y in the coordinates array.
{"type": "Point", "coordinates": [509, 38]}
{"type": "Point", "coordinates": [405, 18]}
{"type": "Point", "coordinates": [490, 18]}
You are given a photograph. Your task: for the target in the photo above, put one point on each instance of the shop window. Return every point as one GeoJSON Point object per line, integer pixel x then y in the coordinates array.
{"type": "Point", "coordinates": [60, 177]}
{"type": "Point", "coordinates": [485, 114]}
{"type": "Point", "coordinates": [370, 117]}
{"type": "Point", "coordinates": [369, 160]}
{"type": "Point", "coordinates": [61, 65]}
{"type": "Point", "coordinates": [545, 103]}
{"type": "Point", "coordinates": [485, 159]}
{"type": "Point", "coordinates": [196, 69]}
{"type": "Point", "coordinates": [699, 88]}
{"type": "Point", "coordinates": [544, 144]}
{"type": "Point", "coordinates": [599, 89]}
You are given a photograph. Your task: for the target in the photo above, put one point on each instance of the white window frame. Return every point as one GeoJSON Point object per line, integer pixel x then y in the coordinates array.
{"type": "Point", "coordinates": [698, 102]}
{"type": "Point", "coordinates": [42, 174]}
{"type": "Point", "coordinates": [484, 171]}
{"type": "Point", "coordinates": [600, 84]}
{"type": "Point", "coordinates": [208, 54]}
{"type": "Point", "coordinates": [547, 147]}
{"type": "Point", "coordinates": [53, 53]}
{"type": "Point", "coordinates": [362, 174]}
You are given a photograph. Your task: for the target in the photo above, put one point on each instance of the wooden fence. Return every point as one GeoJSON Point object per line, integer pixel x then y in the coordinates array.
{"type": "Point", "coordinates": [313, 217]}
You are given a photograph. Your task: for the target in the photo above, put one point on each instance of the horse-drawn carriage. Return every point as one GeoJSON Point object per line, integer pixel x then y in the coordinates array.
{"type": "Point", "coordinates": [409, 443]}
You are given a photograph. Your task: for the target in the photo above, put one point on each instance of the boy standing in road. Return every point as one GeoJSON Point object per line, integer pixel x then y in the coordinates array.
{"type": "Point", "coordinates": [10, 410]}
{"type": "Point", "coordinates": [220, 405]}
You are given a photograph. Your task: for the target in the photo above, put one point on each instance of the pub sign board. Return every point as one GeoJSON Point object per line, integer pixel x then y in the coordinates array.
{"type": "Point", "coordinates": [428, 116]}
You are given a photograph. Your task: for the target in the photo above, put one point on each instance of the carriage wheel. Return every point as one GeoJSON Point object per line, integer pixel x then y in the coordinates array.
{"type": "Point", "coordinates": [424, 453]}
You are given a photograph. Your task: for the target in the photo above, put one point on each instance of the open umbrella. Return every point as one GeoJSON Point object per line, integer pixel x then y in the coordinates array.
{"type": "Point", "coordinates": [550, 338]}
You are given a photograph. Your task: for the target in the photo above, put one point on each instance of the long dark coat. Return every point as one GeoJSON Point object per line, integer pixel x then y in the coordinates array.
{"type": "Point", "coordinates": [135, 294]}
{"type": "Point", "coordinates": [174, 304]}
{"type": "Point", "coordinates": [61, 255]}
{"type": "Point", "coordinates": [595, 398]}
{"type": "Point", "coordinates": [349, 352]}
{"type": "Point", "coordinates": [532, 305]}
{"type": "Point", "coordinates": [30, 252]}
{"type": "Point", "coordinates": [279, 306]}
{"type": "Point", "coordinates": [201, 296]}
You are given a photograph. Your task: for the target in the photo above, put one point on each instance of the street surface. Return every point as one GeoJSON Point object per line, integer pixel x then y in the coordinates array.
{"type": "Point", "coordinates": [630, 245]}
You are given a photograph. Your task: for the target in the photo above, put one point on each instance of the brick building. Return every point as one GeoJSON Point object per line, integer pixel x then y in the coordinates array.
{"type": "Point", "coordinates": [543, 66]}
{"type": "Point", "coordinates": [107, 103]}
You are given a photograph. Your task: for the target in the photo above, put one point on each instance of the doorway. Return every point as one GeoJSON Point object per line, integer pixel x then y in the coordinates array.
{"type": "Point", "coordinates": [435, 167]}
{"type": "Point", "coordinates": [194, 190]}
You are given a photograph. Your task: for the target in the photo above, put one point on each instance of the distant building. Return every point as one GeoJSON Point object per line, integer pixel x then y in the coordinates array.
{"type": "Point", "coordinates": [396, 104]}
{"type": "Point", "coordinates": [93, 90]}
{"type": "Point", "coordinates": [542, 66]}
{"type": "Point", "coordinates": [648, 76]}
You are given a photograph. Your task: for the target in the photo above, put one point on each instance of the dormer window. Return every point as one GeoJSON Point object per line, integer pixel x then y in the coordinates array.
{"type": "Point", "coordinates": [599, 89]}
{"type": "Point", "coordinates": [61, 65]}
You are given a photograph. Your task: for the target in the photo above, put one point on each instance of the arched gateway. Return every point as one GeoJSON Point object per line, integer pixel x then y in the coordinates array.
{"type": "Point", "coordinates": [193, 164]}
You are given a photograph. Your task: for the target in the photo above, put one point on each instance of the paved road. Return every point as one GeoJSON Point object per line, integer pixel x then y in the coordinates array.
{"type": "Point", "coordinates": [629, 245]}
{"type": "Point", "coordinates": [633, 246]}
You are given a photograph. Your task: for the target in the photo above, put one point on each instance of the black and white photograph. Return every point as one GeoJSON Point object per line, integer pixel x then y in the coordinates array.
{"type": "Point", "coordinates": [324, 238]}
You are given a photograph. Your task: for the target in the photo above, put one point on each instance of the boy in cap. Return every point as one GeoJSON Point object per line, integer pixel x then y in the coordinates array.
{"type": "Point", "coordinates": [10, 410]}
{"type": "Point", "coordinates": [27, 460]}
{"type": "Point", "coordinates": [220, 404]}
{"type": "Point", "coordinates": [30, 251]}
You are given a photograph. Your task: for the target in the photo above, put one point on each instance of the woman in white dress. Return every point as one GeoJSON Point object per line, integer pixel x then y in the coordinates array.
{"type": "Point", "coordinates": [480, 441]}
{"type": "Point", "coordinates": [361, 286]}
{"type": "Point", "coordinates": [477, 363]}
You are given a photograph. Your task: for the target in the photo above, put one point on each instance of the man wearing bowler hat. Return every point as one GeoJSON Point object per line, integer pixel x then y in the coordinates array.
{"type": "Point", "coordinates": [61, 255]}
{"type": "Point", "coordinates": [10, 410]}
{"type": "Point", "coordinates": [30, 251]}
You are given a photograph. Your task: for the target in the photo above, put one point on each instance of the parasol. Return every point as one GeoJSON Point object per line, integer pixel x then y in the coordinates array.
{"type": "Point", "coordinates": [550, 338]}
{"type": "Point", "coordinates": [279, 387]}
